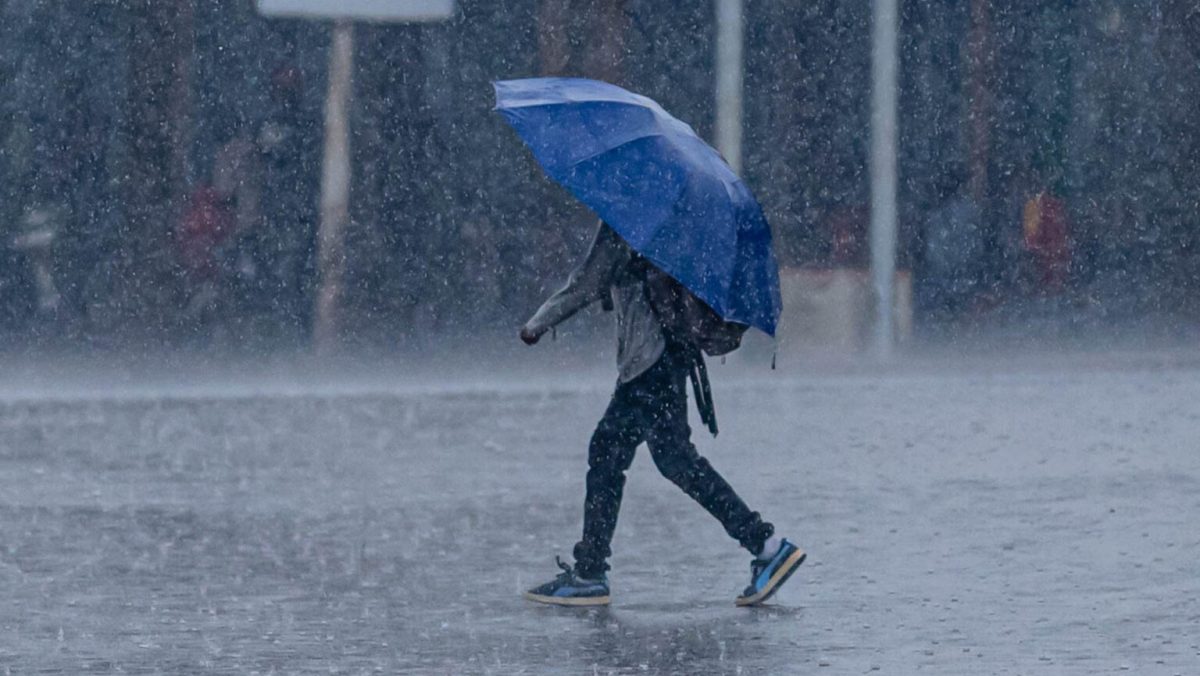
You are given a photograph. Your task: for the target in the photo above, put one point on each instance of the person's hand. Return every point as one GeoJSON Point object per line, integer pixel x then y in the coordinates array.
{"type": "Point", "coordinates": [529, 337]}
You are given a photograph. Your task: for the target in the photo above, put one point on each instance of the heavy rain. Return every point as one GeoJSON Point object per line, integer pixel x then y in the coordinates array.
{"type": "Point", "coordinates": [325, 327]}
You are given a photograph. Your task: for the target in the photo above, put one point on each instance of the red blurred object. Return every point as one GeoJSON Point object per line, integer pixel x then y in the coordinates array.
{"type": "Point", "coordinates": [848, 227]}
{"type": "Point", "coordinates": [1047, 236]}
{"type": "Point", "coordinates": [208, 221]}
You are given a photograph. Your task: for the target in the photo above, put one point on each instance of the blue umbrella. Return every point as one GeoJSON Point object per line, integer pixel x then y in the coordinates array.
{"type": "Point", "coordinates": [655, 182]}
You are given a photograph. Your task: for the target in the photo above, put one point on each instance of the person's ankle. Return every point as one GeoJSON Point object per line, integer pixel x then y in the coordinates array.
{"type": "Point", "coordinates": [770, 548]}
{"type": "Point", "coordinates": [588, 574]}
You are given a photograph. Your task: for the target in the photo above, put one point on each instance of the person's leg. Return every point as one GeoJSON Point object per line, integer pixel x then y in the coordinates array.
{"type": "Point", "coordinates": [610, 453]}
{"type": "Point", "coordinates": [669, 438]}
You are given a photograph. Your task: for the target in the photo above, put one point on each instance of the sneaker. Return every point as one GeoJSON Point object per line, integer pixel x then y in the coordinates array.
{"type": "Point", "coordinates": [767, 576]}
{"type": "Point", "coordinates": [568, 589]}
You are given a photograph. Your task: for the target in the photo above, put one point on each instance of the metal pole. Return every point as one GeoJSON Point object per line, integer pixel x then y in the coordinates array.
{"type": "Point", "coordinates": [335, 186]}
{"type": "Point", "coordinates": [730, 64]}
{"type": "Point", "coordinates": [978, 63]}
{"type": "Point", "coordinates": [883, 171]}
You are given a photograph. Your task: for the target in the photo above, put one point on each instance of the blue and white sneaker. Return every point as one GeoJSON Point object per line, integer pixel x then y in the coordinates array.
{"type": "Point", "coordinates": [767, 576]}
{"type": "Point", "coordinates": [568, 589]}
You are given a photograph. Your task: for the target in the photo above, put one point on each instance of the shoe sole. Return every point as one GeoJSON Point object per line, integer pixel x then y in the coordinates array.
{"type": "Point", "coordinates": [566, 600]}
{"type": "Point", "coordinates": [785, 571]}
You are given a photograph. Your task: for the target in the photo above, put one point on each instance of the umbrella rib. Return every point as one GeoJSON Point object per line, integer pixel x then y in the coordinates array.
{"type": "Point", "coordinates": [622, 144]}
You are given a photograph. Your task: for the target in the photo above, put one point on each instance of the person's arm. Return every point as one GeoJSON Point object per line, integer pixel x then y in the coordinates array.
{"type": "Point", "coordinates": [587, 284]}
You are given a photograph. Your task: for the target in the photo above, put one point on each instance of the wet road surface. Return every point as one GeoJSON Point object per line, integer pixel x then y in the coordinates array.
{"type": "Point", "coordinates": [956, 522]}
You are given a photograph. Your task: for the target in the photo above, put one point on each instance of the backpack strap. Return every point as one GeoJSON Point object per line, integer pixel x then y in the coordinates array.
{"type": "Point", "coordinates": [698, 374]}
{"type": "Point", "coordinates": [692, 354]}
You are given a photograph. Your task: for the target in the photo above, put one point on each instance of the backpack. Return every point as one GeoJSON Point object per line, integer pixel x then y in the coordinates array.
{"type": "Point", "coordinates": [686, 319]}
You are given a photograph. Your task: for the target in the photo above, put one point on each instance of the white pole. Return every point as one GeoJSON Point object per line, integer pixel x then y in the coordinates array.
{"type": "Point", "coordinates": [335, 186]}
{"type": "Point", "coordinates": [883, 170]}
{"type": "Point", "coordinates": [729, 81]}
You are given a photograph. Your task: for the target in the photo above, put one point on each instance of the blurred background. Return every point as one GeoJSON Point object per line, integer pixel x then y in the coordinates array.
{"type": "Point", "coordinates": [160, 166]}
{"type": "Point", "coordinates": [188, 484]}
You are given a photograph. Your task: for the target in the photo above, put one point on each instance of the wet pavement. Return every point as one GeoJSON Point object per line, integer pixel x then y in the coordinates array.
{"type": "Point", "coordinates": [957, 522]}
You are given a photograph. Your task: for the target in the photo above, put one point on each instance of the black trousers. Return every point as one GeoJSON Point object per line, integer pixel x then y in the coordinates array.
{"type": "Point", "coordinates": [653, 408]}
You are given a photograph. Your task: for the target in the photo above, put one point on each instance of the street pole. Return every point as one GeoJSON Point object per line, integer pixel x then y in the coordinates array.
{"type": "Point", "coordinates": [730, 65]}
{"type": "Point", "coordinates": [978, 67]}
{"type": "Point", "coordinates": [335, 167]}
{"type": "Point", "coordinates": [335, 187]}
{"type": "Point", "coordinates": [883, 171]}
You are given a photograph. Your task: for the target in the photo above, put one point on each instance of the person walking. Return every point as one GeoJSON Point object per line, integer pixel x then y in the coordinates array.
{"type": "Point", "coordinates": [649, 405]}
{"type": "Point", "coordinates": [683, 254]}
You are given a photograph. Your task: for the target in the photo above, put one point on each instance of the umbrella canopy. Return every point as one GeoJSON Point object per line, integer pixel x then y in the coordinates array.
{"type": "Point", "coordinates": [654, 181]}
